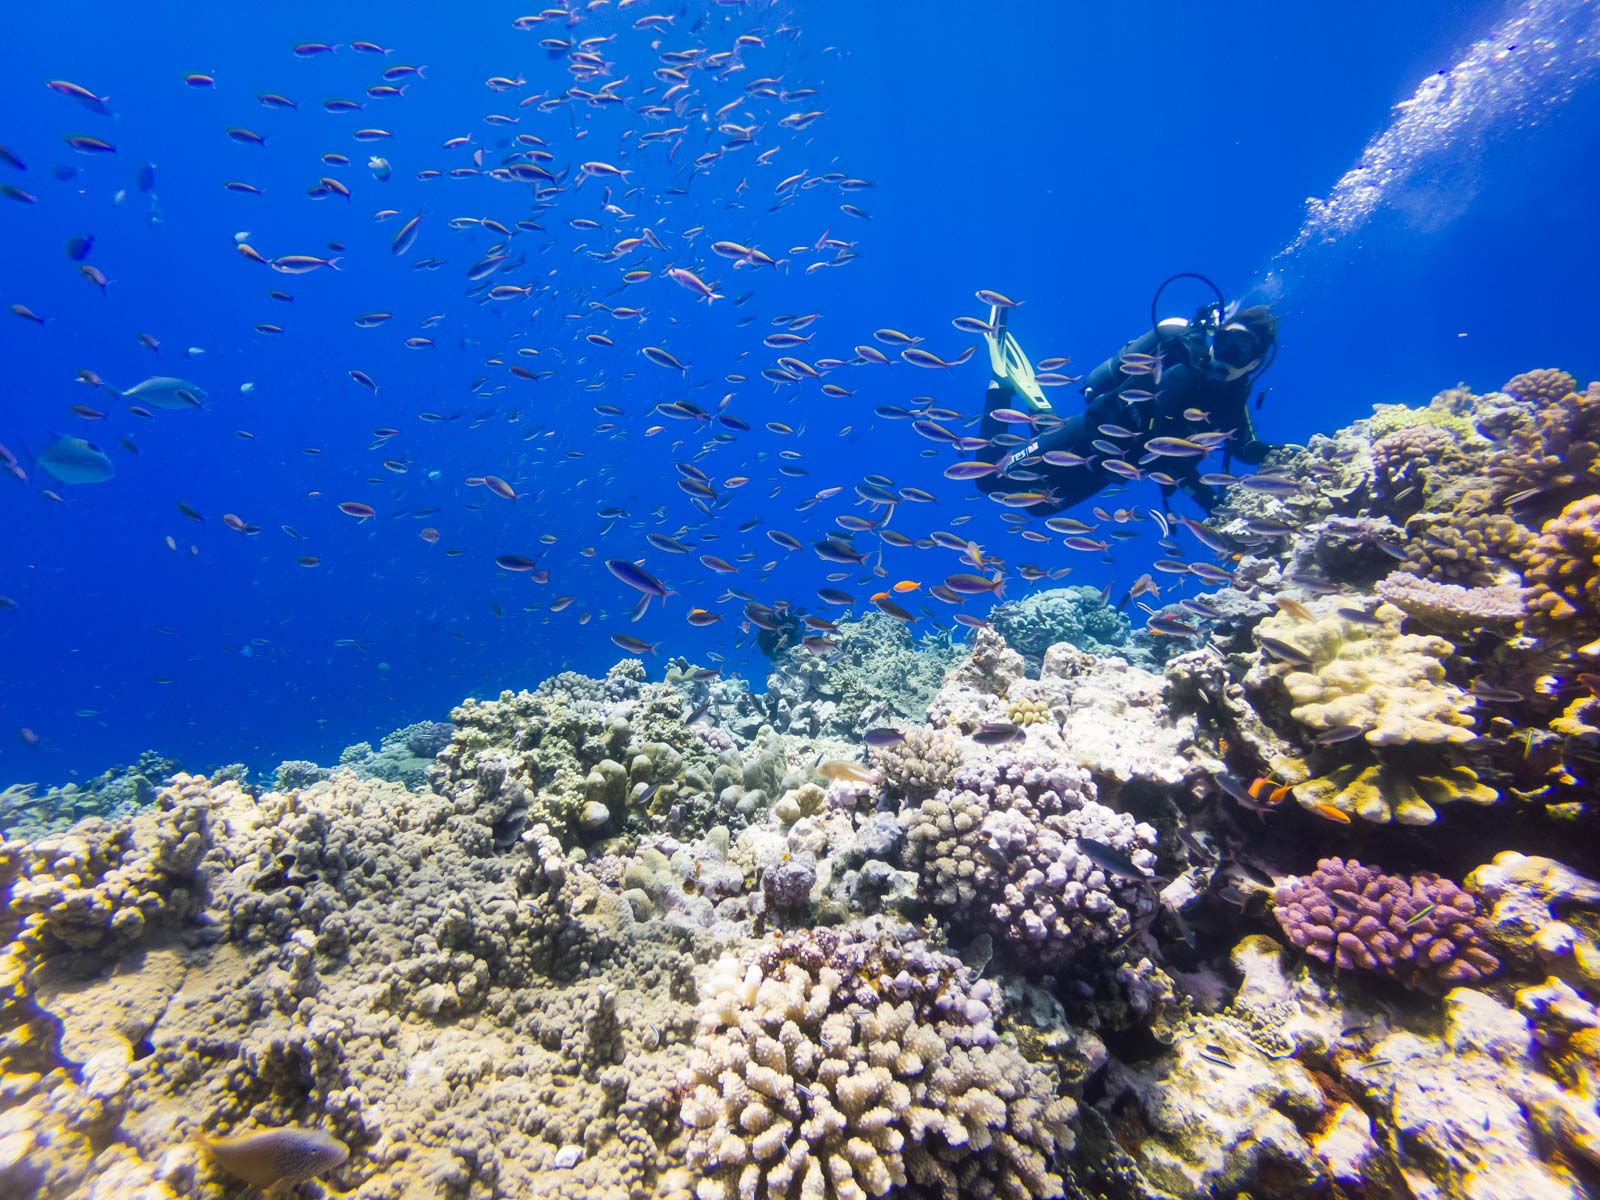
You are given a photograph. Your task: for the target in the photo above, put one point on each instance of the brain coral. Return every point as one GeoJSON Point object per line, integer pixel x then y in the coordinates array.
{"type": "Point", "coordinates": [1562, 566]}
{"type": "Point", "coordinates": [837, 1068]}
{"type": "Point", "coordinates": [1424, 929]}
{"type": "Point", "coordinates": [1341, 672]}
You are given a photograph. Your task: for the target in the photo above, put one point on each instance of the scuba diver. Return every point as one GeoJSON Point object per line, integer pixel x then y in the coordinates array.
{"type": "Point", "coordinates": [1181, 381]}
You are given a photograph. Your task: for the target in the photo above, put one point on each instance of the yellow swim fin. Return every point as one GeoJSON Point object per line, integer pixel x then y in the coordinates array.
{"type": "Point", "coordinates": [1010, 365]}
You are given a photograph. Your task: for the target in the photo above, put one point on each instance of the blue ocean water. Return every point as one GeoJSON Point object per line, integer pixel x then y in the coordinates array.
{"type": "Point", "coordinates": [1069, 157]}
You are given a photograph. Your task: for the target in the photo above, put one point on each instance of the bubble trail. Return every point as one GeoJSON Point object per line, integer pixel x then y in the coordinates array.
{"type": "Point", "coordinates": [1531, 63]}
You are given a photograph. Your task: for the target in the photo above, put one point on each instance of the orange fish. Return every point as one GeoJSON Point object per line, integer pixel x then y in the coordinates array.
{"type": "Point", "coordinates": [907, 585]}
{"type": "Point", "coordinates": [1336, 815]}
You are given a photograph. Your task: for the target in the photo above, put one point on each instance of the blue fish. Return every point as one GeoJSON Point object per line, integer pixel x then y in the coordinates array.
{"type": "Point", "coordinates": [163, 391]}
{"type": "Point", "coordinates": [73, 460]}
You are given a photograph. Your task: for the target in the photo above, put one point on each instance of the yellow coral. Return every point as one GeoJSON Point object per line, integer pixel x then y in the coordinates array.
{"type": "Point", "coordinates": [1388, 684]}
{"type": "Point", "coordinates": [1384, 792]}
{"type": "Point", "coordinates": [1562, 566]}
{"type": "Point", "coordinates": [1028, 712]}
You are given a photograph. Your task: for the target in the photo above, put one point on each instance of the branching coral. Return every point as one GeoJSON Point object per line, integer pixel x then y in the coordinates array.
{"type": "Point", "coordinates": [833, 1068]}
{"type": "Point", "coordinates": [1540, 387]}
{"type": "Point", "coordinates": [877, 674]}
{"type": "Point", "coordinates": [1471, 549]}
{"type": "Point", "coordinates": [1075, 615]}
{"type": "Point", "coordinates": [1424, 929]}
{"type": "Point", "coordinates": [1344, 673]}
{"type": "Point", "coordinates": [923, 761]}
{"type": "Point", "coordinates": [1427, 465]}
{"type": "Point", "coordinates": [1550, 452]}
{"type": "Point", "coordinates": [998, 848]}
{"type": "Point", "coordinates": [1562, 566]}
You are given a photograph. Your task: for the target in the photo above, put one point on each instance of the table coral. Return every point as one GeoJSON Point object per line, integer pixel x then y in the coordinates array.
{"type": "Point", "coordinates": [838, 1068]}
{"type": "Point", "coordinates": [1423, 929]}
{"type": "Point", "coordinates": [1381, 792]}
{"type": "Point", "coordinates": [1369, 675]}
{"type": "Point", "coordinates": [1449, 607]}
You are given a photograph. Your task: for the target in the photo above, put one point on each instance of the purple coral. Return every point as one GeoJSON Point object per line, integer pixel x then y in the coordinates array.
{"type": "Point", "coordinates": [1424, 930]}
{"type": "Point", "coordinates": [787, 886]}
{"type": "Point", "coordinates": [998, 848]}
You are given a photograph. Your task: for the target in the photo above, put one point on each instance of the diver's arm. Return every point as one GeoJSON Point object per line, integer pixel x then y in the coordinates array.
{"type": "Point", "coordinates": [1235, 415]}
{"type": "Point", "coordinates": [1108, 376]}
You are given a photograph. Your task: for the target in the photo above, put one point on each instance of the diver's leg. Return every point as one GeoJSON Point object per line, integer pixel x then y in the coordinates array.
{"type": "Point", "coordinates": [998, 395]}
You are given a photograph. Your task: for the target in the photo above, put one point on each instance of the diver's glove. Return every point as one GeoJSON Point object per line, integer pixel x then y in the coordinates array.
{"type": "Point", "coordinates": [1010, 365]}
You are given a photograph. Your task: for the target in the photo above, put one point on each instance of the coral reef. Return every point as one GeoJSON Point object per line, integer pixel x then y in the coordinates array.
{"type": "Point", "coordinates": [877, 674]}
{"type": "Point", "coordinates": [921, 920]}
{"type": "Point", "coordinates": [1423, 929]}
{"type": "Point", "coordinates": [1449, 607]}
{"type": "Point", "coordinates": [402, 757]}
{"type": "Point", "coordinates": [27, 811]}
{"type": "Point", "coordinates": [1076, 616]}
{"type": "Point", "coordinates": [1562, 567]}
{"type": "Point", "coordinates": [1367, 674]}
{"type": "Point", "coordinates": [843, 1068]}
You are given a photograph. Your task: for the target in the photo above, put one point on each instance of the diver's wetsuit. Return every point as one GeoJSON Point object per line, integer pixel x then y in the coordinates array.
{"type": "Point", "coordinates": [1183, 385]}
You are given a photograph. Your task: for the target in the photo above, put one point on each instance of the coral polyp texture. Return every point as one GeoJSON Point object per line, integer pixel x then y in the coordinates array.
{"type": "Point", "coordinates": [1367, 675]}
{"type": "Point", "coordinates": [998, 849]}
{"type": "Point", "coordinates": [975, 915]}
{"type": "Point", "coordinates": [1422, 929]}
{"type": "Point", "coordinates": [1562, 567]}
{"type": "Point", "coordinates": [839, 1067]}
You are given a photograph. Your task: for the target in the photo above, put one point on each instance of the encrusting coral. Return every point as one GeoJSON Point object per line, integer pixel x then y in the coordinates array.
{"type": "Point", "coordinates": [836, 1068]}
{"type": "Point", "coordinates": [1423, 929]}
{"type": "Point", "coordinates": [1381, 792]}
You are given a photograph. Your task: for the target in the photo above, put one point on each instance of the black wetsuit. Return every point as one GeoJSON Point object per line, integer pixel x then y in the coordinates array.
{"type": "Point", "coordinates": [1182, 386]}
